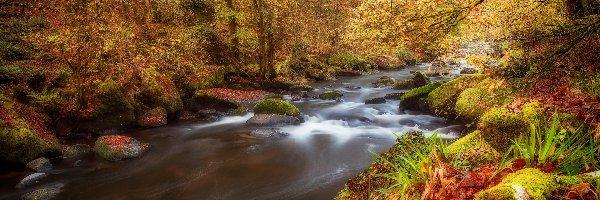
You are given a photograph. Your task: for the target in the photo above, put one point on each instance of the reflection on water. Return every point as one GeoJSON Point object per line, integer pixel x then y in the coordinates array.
{"type": "Point", "coordinates": [220, 160]}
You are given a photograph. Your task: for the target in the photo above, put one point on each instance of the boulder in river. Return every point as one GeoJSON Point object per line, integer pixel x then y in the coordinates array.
{"type": "Point", "coordinates": [31, 180]}
{"type": "Point", "coordinates": [40, 164]}
{"type": "Point", "coordinates": [154, 118]}
{"type": "Point", "coordinates": [469, 71]}
{"type": "Point", "coordinates": [209, 114]}
{"type": "Point", "coordinates": [331, 95]}
{"type": "Point", "coordinates": [384, 81]}
{"type": "Point", "coordinates": [412, 99]}
{"type": "Point", "coordinates": [117, 147]}
{"type": "Point", "coordinates": [378, 100]}
{"type": "Point", "coordinates": [276, 106]}
{"type": "Point", "coordinates": [268, 133]}
{"type": "Point", "coordinates": [76, 151]}
{"type": "Point", "coordinates": [42, 194]}
{"type": "Point", "coordinates": [418, 80]}
{"type": "Point", "coordinates": [273, 120]}
{"type": "Point", "coordinates": [223, 99]}
{"type": "Point", "coordinates": [394, 96]}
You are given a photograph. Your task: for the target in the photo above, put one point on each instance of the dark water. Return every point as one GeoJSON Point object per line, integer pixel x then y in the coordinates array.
{"type": "Point", "coordinates": [220, 160]}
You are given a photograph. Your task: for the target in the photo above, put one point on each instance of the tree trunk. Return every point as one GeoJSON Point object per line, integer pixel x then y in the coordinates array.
{"type": "Point", "coordinates": [266, 49]}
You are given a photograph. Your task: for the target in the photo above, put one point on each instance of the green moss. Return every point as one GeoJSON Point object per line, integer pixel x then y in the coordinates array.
{"type": "Point", "coordinates": [500, 126]}
{"type": "Point", "coordinates": [105, 151]}
{"type": "Point", "coordinates": [443, 99]}
{"type": "Point", "coordinates": [276, 106]}
{"type": "Point", "coordinates": [411, 98]}
{"type": "Point", "coordinates": [115, 108]}
{"type": "Point", "coordinates": [331, 95]}
{"type": "Point", "coordinates": [473, 150]}
{"type": "Point", "coordinates": [473, 102]}
{"type": "Point", "coordinates": [158, 90]}
{"type": "Point", "coordinates": [537, 185]}
{"type": "Point", "coordinates": [418, 80]}
{"type": "Point", "coordinates": [20, 141]}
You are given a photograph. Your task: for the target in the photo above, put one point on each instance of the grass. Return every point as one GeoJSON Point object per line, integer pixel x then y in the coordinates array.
{"type": "Point", "coordinates": [547, 144]}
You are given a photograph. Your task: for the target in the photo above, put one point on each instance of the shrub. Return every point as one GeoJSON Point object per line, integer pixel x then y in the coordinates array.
{"type": "Point", "coordinates": [276, 106]}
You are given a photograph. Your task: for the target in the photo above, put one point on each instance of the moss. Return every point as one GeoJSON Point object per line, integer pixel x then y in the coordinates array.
{"type": "Point", "coordinates": [331, 95]}
{"type": "Point", "coordinates": [23, 137]}
{"type": "Point", "coordinates": [500, 126]}
{"type": "Point", "coordinates": [115, 108]}
{"type": "Point", "coordinates": [276, 106]}
{"type": "Point", "coordinates": [473, 102]}
{"type": "Point", "coordinates": [411, 99]}
{"type": "Point", "coordinates": [537, 185]}
{"type": "Point", "coordinates": [443, 99]}
{"type": "Point", "coordinates": [105, 151]}
{"type": "Point", "coordinates": [473, 149]}
{"type": "Point", "coordinates": [418, 80]}
{"type": "Point", "coordinates": [158, 90]}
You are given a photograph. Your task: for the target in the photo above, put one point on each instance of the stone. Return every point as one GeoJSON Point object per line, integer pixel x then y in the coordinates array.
{"type": "Point", "coordinates": [185, 114]}
{"type": "Point", "coordinates": [41, 194]}
{"type": "Point", "coordinates": [117, 147]}
{"type": "Point", "coordinates": [268, 133]}
{"type": "Point", "coordinates": [31, 180]}
{"type": "Point", "coordinates": [153, 118]}
{"type": "Point", "coordinates": [40, 164]}
{"type": "Point", "coordinates": [378, 100]}
{"type": "Point", "coordinates": [273, 120]}
{"type": "Point", "coordinates": [331, 95]}
{"type": "Point", "coordinates": [394, 96]}
{"type": "Point", "coordinates": [76, 151]}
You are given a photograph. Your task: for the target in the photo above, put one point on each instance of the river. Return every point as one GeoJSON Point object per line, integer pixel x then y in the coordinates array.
{"type": "Point", "coordinates": [221, 160]}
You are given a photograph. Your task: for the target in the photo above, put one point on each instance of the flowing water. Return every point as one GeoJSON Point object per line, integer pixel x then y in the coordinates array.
{"type": "Point", "coordinates": [220, 160]}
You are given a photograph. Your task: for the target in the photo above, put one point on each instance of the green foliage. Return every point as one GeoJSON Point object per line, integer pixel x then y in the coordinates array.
{"type": "Point", "coordinates": [547, 143]}
{"type": "Point", "coordinates": [276, 106]}
{"type": "Point", "coordinates": [538, 185]}
{"type": "Point", "coordinates": [349, 61]}
{"type": "Point", "coordinates": [158, 90]}
{"type": "Point", "coordinates": [105, 151]}
{"type": "Point", "coordinates": [443, 99]}
{"type": "Point", "coordinates": [472, 103]}
{"type": "Point", "coordinates": [115, 108]}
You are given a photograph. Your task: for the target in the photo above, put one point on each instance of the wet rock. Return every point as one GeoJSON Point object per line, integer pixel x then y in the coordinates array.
{"type": "Point", "coordinates": [394, 96]}
{"type": "Point", "coordinates": [273, 120]}
{"type": "Point", "coordinates": [76, 151]}
{"type": "Point", "coordinates": [352, 87]}
{"type": "Point", "coordinates": [378, 100]}
{"type": "Point", "coordinates": [331, 95]}
{"type": "Point", "coordinates": [469, 71]}
{"type": "Point", "coordinates": [78, 163]}
{"type": "Point", "coordinates": [384, 81]}
{"type": "Point", "coordinates": [209, 114]}
{"type": "Point", "coordinates": [415, 98]}
{"type": "Point", "coordinates": [437, 73]}
{"type": "Point", "coordinates": [418, 80]}
{"type": "Point", "coordinates": [186, 114]}
{"type": "Point", "coordinates": [268, 133]}
{"type": "Point", "coordinates": [40, 164]}
{"type": "Point", "coordinates": [117, 147]}
{"type": "Point", "coordinates": [154, 118]}
{"type": "Point", "coordinates": [41, 194]}
{"type": "Point", "coordinates": [276, 106]}
{"type": "Point", "coordinates": [31, 180]}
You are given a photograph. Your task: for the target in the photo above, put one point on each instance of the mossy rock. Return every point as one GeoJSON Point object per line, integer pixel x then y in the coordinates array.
{"type": "Point", "coordinates": [489, 93]}
{"type": "Point", "coordinates": [418, 80]}
{"type": "Point", "coordinates": [115, 109]}
{"type": "Point", "coordinates": [500, 126]}
{"type": "Point", "coordinates": [411, 99]}
{"type": "Point", "coordinates": [276, 106]}
{"type": "Point", "coordinates": [158, 90]}
{"type": "Point", "coordinates": [378, 100]}
{"type": "Point", "coordinates": [117, 147]}
{"type": "Point", "coordinates": [331, 95]}
{"type": "Point", "coordinates": [473, 149]}
{"type": "Point", "coordinates": [153, 118]}
{"type": "Point", "coordinates": [23, 137]}
{"type": "Point", "coordinates": [527, 183]}
{"type": "Point", "coordinates": [443, 99]}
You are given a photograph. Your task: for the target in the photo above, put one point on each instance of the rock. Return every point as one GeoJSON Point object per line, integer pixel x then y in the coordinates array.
{"type": "Point", "coordinates": [469, 71]}
{"type": "Point", "coordinates": [273, 120]}
{"type": "Point", "coordinates": [41, 194]}
{"type": "Point", "coordinates": [31, 180]}
{"type": "Point", "coordinates": [378, 100]}
{"type": "Point", "coordinates": [223, 99]}
{"type": "Point", "coordinates": [437, 73]}
{"type": "Point", "coordinates": [268, 133]}
{"type": "Point", "coordinates": [209, 114]}
{"type": "Point", "coordinates": [276, 106]}
{"type": "Point", "coordinates": [153, 118]}
{"type": "Point", "coordinates": [348, 73]}
{"type": "Point", "coordinates": [78, 163]}
{"type": "Point", "coordinates": [411, 99]}
{"type": "Point", "coordinates": [185, 114]}
{"type": "Point", "coordinates": [442, 100]}
{"type": "Point", "coordinates": [117, 147]}
{"type": "Point", "coordinates": [352, 87]}
{"type": "Point", "coordinates": [418, 80]}
{"type": "Point", "coordinates": [473, 149]}
{"type": "Point", "coordinates": [500, 126]}
{"type": "Point", "coordinates": [76, 151]}
{"type": "Point", "coordinates": [40, 164]}
{"type": "Point", "coordinates": [384, 81]}
{"type": "Point", "coordinates": [331, 95]}
{"type": "Point", "coordinates": [394, 96]}
{"type": "Point", "coordinates": [301, 88]}
{"type": "Point", "coordinates": [528, 183]}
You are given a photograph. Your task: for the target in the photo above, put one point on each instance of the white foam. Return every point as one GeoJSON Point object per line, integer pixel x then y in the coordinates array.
{"type": "Point", "coordinates": [227, 121]}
